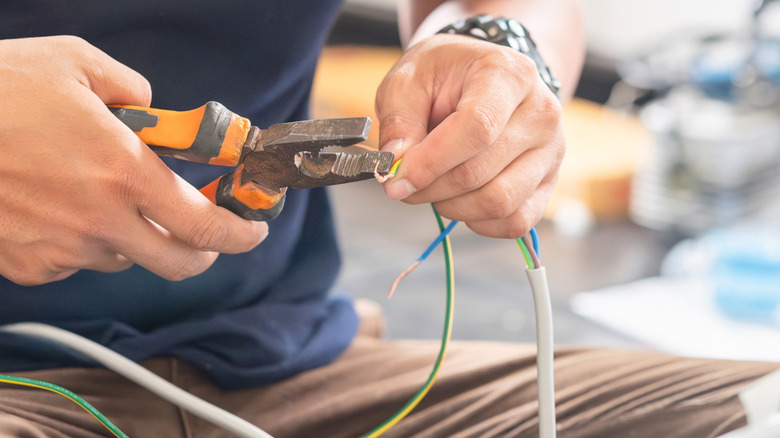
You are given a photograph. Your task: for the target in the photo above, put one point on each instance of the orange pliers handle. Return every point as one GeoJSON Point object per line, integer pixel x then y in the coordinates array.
{"type": "Point", "coordinates": [209, 134]}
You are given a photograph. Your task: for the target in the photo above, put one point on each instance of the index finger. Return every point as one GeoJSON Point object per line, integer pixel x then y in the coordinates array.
{"type": "Point", "coordinates": [488, 99]}
{"type": "Point", "coordinates": [168, 200]}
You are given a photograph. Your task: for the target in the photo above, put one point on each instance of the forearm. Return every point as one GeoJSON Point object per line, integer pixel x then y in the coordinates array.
{"type": "Point", "coordinates": [555, 25]}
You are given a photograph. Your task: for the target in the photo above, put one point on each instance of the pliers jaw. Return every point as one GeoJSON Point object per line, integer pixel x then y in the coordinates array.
{"type": "Point", "coordinates": [269, 160]}
{"type": "Point", "coordinates": [290, 155]}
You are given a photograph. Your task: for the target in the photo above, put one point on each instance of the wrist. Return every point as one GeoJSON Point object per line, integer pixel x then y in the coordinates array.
{"type": "Point", "coordinates": [505, 32]}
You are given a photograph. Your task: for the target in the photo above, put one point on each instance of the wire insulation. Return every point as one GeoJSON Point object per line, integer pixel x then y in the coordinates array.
{"type": "Point", "coordinates": [140, 375]}
{"type": "Point", "coordinates": [445, 340]}
{"type": "Point", "coordinates": [529, 261]}
{"type": "Point", "coordinates": [394, 167]}
{"type": "Point", "coordinates": [70, 395]}
{"type": "Point", "coordinates": [527, 241]}
{"type": "Point", "coordinates": [438, 240]}
{"type": "Point", "coordinates": [544, 351]}
{"type": "Point", "coordinates": [535, 239]}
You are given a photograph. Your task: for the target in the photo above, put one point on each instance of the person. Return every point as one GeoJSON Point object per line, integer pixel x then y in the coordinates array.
{"type": "Point", "coordinates": [102, 237]}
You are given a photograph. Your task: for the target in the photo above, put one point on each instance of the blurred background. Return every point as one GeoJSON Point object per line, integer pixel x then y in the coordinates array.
{"type": "Point", "coordinates": [664, 229]}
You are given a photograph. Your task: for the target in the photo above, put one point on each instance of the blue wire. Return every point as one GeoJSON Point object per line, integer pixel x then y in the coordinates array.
{"type": "Point", "coordinates": [437, 241]}
{"type": "Point", "coordinates": [535, 240]}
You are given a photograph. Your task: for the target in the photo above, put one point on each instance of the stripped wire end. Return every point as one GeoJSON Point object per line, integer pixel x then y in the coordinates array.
{"type": "Point", "coordinates": [382, 178]}
{"type": "Point", "coordinates": [379, 177]}
{"type": "Point", "coordinates": [400, 277]}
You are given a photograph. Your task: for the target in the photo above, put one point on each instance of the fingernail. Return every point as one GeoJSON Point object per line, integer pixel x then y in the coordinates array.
{"type": "Point", "coordinates": [395, 146]}
{"type": "Point", "coordinates": [399, 189]}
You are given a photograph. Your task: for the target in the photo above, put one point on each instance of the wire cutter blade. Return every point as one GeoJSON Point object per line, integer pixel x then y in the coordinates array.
{"type": "Point", "coordinates": [291, 154]}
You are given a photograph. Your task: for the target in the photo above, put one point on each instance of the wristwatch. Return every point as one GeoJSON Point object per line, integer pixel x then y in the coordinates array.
{"type": "Point", "coordinates": [506, 32]}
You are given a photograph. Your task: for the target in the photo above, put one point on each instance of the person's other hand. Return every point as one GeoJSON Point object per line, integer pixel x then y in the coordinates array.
{"type": "Point", "coordinates": [479, 132]}
{"type": "Point", "coordinates": [79, 189]}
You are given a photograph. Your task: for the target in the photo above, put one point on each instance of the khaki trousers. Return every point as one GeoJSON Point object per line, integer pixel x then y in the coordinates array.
{"type": "Point", "coordinates": [484, 390]}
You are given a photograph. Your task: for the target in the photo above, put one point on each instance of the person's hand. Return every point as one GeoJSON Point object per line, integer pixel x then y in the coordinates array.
{"type": "Point", "coordinates": [79, 189]}
{"type": "Point", "coordinates": [479, 132]}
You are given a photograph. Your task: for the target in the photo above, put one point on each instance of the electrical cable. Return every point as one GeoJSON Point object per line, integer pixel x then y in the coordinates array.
{"type": "Point", "coordinates": [140, 375]}
{"type": "Point", "coordinates": [422, 258]}
{"type": "Point", "coordinates": [528, 244]}
{"type": "Point", "coordinates": [544, 351]}
{"type": "Point", "coordinates": [545, 378]}
{"type": "Point", "coordinates": [445, 340]}
{"type": "Point", "coordinates": [529, 261]}
{"type": "Point", "coordinates": [24, 381]}
{"type": "Point", "coordinates": [537, 277]}
{"type": "Point", "coordinates": [535, 239]}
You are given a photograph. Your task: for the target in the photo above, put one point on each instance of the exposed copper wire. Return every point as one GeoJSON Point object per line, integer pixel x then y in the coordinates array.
{"type": "Point", "coordinates": [379, 177]}
{"type": "Point", "coordinates": [400, 277]}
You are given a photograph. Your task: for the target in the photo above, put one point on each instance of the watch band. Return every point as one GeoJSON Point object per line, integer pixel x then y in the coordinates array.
{"type": "Point", "coordinates": [506, 32]}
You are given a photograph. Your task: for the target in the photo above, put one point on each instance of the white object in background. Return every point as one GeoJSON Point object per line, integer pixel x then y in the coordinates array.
{"type": "Point", "coordinates": [767, 429]}
{"type": "Point", "coordinates": [761, 398]}
{"type": "Point", "coordinates": [676, 315]}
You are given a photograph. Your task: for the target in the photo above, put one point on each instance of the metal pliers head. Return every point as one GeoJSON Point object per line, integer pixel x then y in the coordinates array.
{"type": "Point", "coordinates": [291, 155]}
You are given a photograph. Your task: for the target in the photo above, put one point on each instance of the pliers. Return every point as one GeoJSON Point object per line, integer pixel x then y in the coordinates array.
{"type": "Point", "coordinates": [269, 160]}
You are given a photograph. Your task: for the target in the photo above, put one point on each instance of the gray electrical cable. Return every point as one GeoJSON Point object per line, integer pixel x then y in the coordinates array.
{"type": "Point", "coordinates": [140, 375]}
{"type": "Point", "coordinates": [544, 351]}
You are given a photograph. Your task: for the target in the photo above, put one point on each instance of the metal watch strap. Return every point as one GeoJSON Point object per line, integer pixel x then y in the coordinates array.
{"type": "Point", "coordinates": [506, 32]}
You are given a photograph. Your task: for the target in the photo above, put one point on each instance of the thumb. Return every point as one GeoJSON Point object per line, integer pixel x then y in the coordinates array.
{"type": "Point", "coordinates": [112, 81]}
{"type": "Point", "coordinates": [403, 107]}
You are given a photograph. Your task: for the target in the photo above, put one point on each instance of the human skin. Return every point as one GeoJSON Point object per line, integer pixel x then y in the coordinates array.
{"type": "Point", "coordinates": [479, 132]}
{"type": "Point", "coordinates": [80, 190]}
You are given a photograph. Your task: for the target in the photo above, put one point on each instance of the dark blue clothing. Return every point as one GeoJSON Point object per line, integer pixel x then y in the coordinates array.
{"type": "Point", "coordinates": [251, 318]}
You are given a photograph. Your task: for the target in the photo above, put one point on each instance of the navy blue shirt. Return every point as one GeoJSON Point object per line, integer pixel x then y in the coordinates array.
{"type": "Point", "coordinates": [251, 318]}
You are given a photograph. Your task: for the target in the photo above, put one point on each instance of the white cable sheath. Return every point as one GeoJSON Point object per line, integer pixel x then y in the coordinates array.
{"type": "Point", "coordinates": [544, 351]}
{"type": "Point", "coordinates": [140, 375]}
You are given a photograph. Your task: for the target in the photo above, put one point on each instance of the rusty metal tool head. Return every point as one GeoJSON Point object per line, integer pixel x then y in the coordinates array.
{"type": "Point", "coordinates": [291, 154]}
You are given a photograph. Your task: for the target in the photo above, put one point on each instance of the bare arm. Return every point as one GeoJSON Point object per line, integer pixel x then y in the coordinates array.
{"type": "Point", "coordinates": [555, 25]}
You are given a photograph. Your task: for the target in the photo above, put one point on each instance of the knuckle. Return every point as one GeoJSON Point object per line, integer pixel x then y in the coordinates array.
{"type": "Point", "coordinates": [177, 273]}
{"type": "Point", "coordinates": [523, 220]}
{"type": "Point", "coordinates": [186, 267]}
{"type": "Point", "coordinates": [523, 66]}
{"type": "Point", "coordinates": [27, 275]}
{"type": "Point", "coordinates": [71, 42]}
{"type": "Point", "coordinates": [395, 80]}
{"type": "Point", "coordinates": [207, 233]}
{"type": "Point", "coordinates": [549, 111]}
{"type": "Point", "coordinates": [425, 172]}
{"type": "Point", "coordinates": [484, 126]}
{"type": "Point", "coordinates": [520, 224]}
{"type": "Point", "coordinates": [393, 118]}
{"type": "Point", "coordinates": [500, 202]}
{"type": "Point", "coordinates": [126, 180]}
{"type": "Point", "coordinates": [93, 226]}
{"type": "Point", "coordinates": [76, 47]}
{"type": "Point", "coordinates": [471, 175]}
{"type": "Point", "coordinates": [59, 260]}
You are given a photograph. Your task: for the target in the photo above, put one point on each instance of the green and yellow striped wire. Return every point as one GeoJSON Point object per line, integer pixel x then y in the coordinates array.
{"type": "Point", "coordinates": [529, 247]}
{"type": "Point", "coordinates": [23, 381]}
{"type": "Point", "coordinates": [415, 400]}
